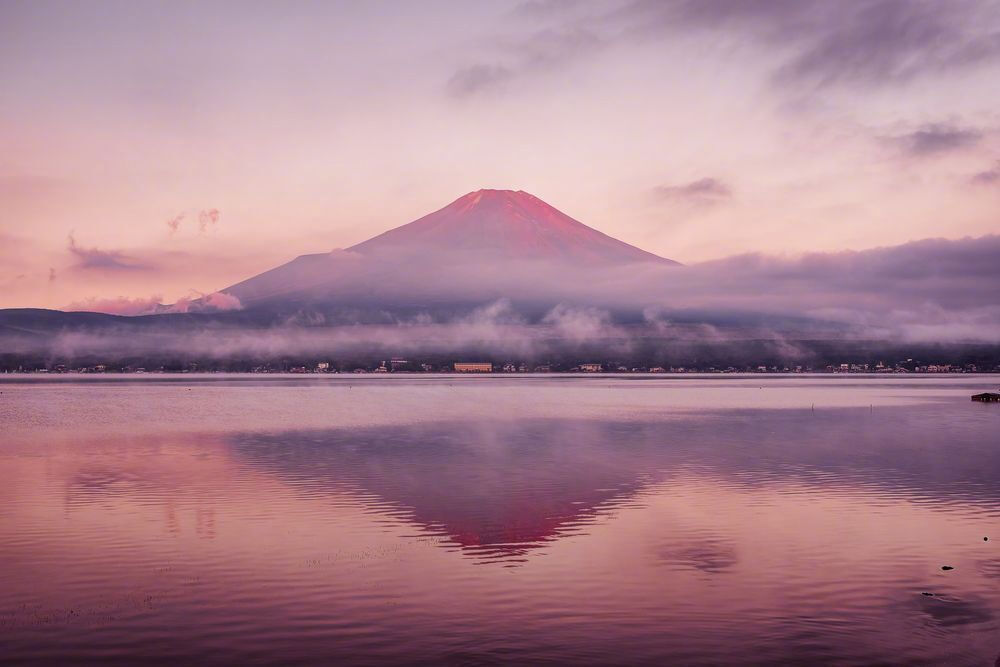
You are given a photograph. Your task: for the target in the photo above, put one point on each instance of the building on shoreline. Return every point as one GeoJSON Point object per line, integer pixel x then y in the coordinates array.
{"type": "Point", "coordinates": [473, 367]}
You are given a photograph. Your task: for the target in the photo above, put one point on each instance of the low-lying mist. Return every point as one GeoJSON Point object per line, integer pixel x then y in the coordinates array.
{"type": "Point", "coordinates": [931, 294]}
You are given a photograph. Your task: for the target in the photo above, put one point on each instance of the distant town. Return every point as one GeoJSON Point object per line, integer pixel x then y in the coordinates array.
{"type": "Point", "coordinates": [403, 365]}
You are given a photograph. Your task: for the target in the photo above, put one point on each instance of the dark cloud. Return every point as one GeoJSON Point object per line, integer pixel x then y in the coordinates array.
{"type": "Point", "coordinates": [536, 9]}
{"type": "Point", "coordinates": [551, 47]}
{"type": "Point", "coordinates": [673, 15]}
{"type": "Point", "coordinates": [819, 43]}
{"type": "Point", "coordinates": [703, 190]}
{"type": "Point", "coordinates": [541, 51]}
{"type": "Point", "coordinates": [476, 79]}
{"type": "Point", "coordinates": [938, 285]}
{"type": "Point", "coordinates": [877, 42]}
{"type": "Point", "coordinates": [851, 41]}
{"type": "Point", "coordinates": [111, 260]}
{"type": "Point", "coordinates": [937, 138]}
{"type": "Point", "coordinates": [987, 177]}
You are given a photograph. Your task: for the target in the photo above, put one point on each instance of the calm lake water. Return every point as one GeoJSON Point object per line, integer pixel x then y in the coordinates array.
{"type": "Point", "coordinates": [483, 520]}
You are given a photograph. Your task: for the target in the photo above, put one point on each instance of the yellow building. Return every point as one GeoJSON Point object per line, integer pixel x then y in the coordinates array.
{"type": "Point", "coordinates": [473, 367]}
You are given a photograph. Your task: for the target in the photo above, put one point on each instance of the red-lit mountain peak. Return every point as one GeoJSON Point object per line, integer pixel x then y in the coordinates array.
{"type": "Point", "coordinates": [508, 224]}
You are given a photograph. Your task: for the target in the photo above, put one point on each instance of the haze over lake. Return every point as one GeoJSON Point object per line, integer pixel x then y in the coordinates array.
{"type": "Point", "coordinates": [479, 520]}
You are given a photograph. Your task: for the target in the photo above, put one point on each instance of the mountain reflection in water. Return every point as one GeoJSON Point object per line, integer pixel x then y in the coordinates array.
{"type": "Point", "coordinates": [498, 489]}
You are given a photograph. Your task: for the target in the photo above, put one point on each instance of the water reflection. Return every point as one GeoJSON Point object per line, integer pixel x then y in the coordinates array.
{"type": "Point", "coordinates": [584, 537]}
{"type": "Point", "coordinates": [711, 554]}
{"type": "Point", "coordinates": [949, 610]}
{"type": "Point", "coordinates": [501, 489]}
{"type": "Point", "coordinates": [497, 489]}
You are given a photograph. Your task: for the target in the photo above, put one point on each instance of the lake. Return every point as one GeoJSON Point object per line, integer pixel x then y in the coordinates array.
{"type": "Point", "coordinates": [503, 519]}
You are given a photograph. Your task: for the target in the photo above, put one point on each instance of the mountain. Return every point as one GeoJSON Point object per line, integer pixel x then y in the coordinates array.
{"type": "Point", "coordinates": [505, 224]}
{"type": "Point", "coordinates": [494, 231]}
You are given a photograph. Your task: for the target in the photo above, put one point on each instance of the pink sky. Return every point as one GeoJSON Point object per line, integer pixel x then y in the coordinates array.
{"type": "Point", "coordinates": [162, 149]}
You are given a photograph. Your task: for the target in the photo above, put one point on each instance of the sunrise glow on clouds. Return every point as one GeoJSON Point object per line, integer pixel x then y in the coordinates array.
{"type": "Point", "coordinates": [170, 149]}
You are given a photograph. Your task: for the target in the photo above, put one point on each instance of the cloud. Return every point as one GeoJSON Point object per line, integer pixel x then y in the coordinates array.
{"type": "Point", "coordinates": [551, 47]}
{"type": "Point", "coordinates": [820, 43]}
{"type": "Point", "coordinates": [935, 291]}
{"type": "Point", "coordinates": [542, 50]}
{"type": "Point", "coordinates": [222, 301]}
{"type": "Point", "coordinates": [121, 305]}
{"type": "Point", "coordinates": [52, 275]}
{"type": "Point", "coordinates": [473, 80]}
{"type": "Point", "coordinates": [537, 9]}
{"type": "Point", "coordinates": [987, 177]}
{"type": "Point", "coordinates": [937, 138]}
{"type": "Point", "coordinates": [112, 260]}
{"type": "Point", "coordinates": [905, 289]}
{"type": "Point", "coordinates": [579, 324]}
{"type": "Point", "coordinates": [132, 306]}
{"type": "Point", "coordinates": [200, 302]}
{"type": "Point", "coordinates": [928, 282]}
{"type": "Point", "coordinates": [813, 43]}
{"type": "Point", "coordinates": [878, 42]}
{"type": "Point", "coordinates": [703, 190]}
{"type": "Point", "coordinates": [207, 218]}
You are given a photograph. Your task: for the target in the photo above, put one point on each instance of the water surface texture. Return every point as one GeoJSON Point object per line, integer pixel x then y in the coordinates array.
{"type": "Point", "coordinates": [483, 520]}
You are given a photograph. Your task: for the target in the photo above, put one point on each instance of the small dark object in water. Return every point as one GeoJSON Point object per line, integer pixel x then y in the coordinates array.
{"type": "Point", "coordinates": [947, 567]}
{"type": "Point", "coordinates": [986, 539]}
{"type": "Point", "coordinates": [929, 594]}
{"type": "Point", "coordinates": [986, 397]}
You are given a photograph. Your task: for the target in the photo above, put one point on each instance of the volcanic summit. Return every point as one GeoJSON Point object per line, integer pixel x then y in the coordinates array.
{"type": "Point", "coordinates": [506, 223]}
{"type": "Point", "coordinates": [492, 229]}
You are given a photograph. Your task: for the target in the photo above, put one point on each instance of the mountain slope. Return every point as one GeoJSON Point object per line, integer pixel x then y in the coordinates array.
{"type": "Point", "coordinates": [506, 224]}
{"type": "Point", "coordinates": [493, 230]}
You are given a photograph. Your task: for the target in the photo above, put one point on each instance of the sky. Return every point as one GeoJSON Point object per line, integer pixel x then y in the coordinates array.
{"type": "Point", "coordinates": [160, 150]}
